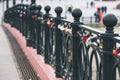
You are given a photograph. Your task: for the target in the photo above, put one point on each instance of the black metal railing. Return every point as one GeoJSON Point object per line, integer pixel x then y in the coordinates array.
{"type": "Point", "coordinates": [76, 51]}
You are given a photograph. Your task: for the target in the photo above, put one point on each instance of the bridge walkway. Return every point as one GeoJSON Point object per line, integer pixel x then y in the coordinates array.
{"type": "Point", "coordinates": [13, 63]}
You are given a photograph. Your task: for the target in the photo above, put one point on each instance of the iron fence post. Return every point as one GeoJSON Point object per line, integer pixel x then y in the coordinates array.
{"type": "Point", "coordinates": [7, 4]}
{"type": "Point", "coordinates": [14, 2]}
{"type": "Point", "coordinates": [76, 61]}
{"type": "Point", "coordinates": [21, 8]}
{"type": "Point", "coordinates": [17, 21]}
{"type": "Point", "coordinates": [109, 21]}
{"type": "Point", "coordinates": [33, 29]}
{"type": "Point", "coordinates": [33, 1]}
{"type": "Point", "coordinates": [58, 41]}
{"type": "Point", "coordinates": [31, 17]}
{"type": "Point", "coordinates": [22, 18]}
{"type": "Point", "coordinates": [46, 16]}
{"type": "Point", "coordinates": [38, 30]}
{"type": "Point", "coordinates": [26, 21]}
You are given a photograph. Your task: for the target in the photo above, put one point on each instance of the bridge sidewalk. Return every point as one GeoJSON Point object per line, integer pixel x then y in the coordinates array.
{"type": "Point", "coordinates": [8, 69]}
{"type": "Point", "coordinates": [44, 71]}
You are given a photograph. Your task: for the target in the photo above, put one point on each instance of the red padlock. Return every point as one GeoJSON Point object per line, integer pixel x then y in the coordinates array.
{"type": "Point", "coordinates": [85, 38]}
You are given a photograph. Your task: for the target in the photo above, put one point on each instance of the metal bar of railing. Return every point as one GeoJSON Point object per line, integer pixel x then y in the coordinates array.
{"type": "Point", "coordinates": [90, 29]}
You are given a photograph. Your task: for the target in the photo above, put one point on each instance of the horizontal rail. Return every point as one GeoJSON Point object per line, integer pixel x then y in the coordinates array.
{"type": "Point", "coordinates": [90, 29]}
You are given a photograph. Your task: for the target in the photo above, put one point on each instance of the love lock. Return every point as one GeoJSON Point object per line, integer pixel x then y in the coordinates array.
{"type": "Point", "coordinates": [20, 15]}
{"type": "Point", "coordinates": [50, 22]}
{"type": "Point", "coordinates": [64, 28]}
{"type": "Point", "coordinates": [39, 18]}
{"type": "Point", "coordinates": [92, 40]}
{"type": "Point", "coordinates": [33, 16]}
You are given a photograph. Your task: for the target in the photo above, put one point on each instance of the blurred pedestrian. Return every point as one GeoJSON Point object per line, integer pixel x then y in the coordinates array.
{"type": "Point", "coordinates": [96, 16]}
{"type": "Point", "coordinates": [68, 10]}
{"type": "Point", "coordinates": [92, 4]}
{"type": "Point", "coordinates": [87, 3]}
{"type": "Point", "coordinates": [102, 9]}
{"type": "Point", "coordinates": [100, 16]}
{"type": "Point", "coordinates": [70, 7]}
{"type": "Point", "coordinates": [105, 9]}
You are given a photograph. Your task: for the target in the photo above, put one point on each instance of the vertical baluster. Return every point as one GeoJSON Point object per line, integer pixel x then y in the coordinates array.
{"type": "Point", "coordinates": [76, 58]}
{"type": "Point", "coordinates": [108, 43]}
{"type": "Point", "coordinates": [38, 30]}
{"type": "Point", "coordinates": [58, 41]}
{"type": "Point", "coordinates": [46, 16]}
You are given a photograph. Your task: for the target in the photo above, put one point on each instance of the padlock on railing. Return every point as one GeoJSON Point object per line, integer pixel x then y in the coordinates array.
{"type": "Point", "coordinates": [64, 27]}
{"type": "Point", "coordinates": [50, 22]}
{"type": "Point", "coordinates": [33, 16]}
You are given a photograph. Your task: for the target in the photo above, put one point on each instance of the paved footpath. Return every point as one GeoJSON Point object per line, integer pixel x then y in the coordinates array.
{"type": "Point", "coordinates": [8, 69]}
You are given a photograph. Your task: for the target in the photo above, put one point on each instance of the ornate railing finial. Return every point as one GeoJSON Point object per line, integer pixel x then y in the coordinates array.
{"type": "Point", "coordinates": [76, 13]}
{"type": "Point", "coordinates": [110, 21]}
{"type": "Point", "coordinates": [58, 11]}
{"type": "Point", "coordinates": [47, 9]}
{"type": "Point", "coordinates": [39, 7]}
